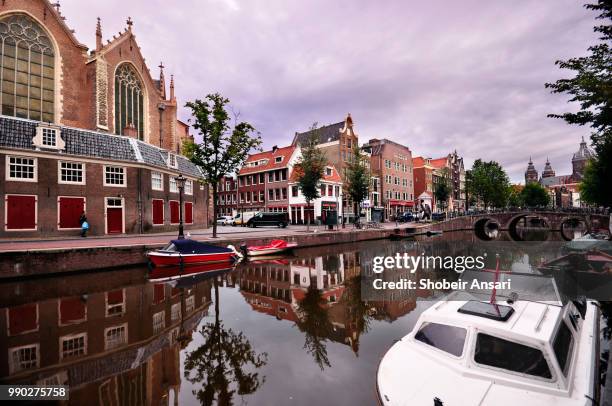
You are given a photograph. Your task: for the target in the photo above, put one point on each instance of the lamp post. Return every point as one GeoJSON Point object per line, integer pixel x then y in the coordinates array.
{"type": "Point", "coordinates": [180, 183]}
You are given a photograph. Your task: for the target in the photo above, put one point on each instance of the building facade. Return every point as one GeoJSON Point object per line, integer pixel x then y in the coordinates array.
{"type": "Point", "coordinates": [330, 200]}
{"type": "Point", "coordinates": [423, 180]}
{"type": "Point", "coordinates": [263, 181]}
{"type": "Point", "coordinates": [227, 191]}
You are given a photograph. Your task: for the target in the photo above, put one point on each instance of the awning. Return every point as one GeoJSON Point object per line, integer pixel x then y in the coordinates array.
{"type": "Point", "coordinates": [402, 203]}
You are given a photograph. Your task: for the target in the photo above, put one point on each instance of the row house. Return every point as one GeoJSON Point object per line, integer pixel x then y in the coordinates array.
{"type": "Point", "coordinates": [51, 174]}
{"type": "Point", "coordinates": [328, 203]}
{"type": "Point", "coordinates": [337, 141]}
{"type": "Point", "coordinates": [227, 196]}
{"type": "Point", "coordinates": [450, 169]}
{"type": "Point", "coordinates": [423, 181]}
{"type": "Point", "coordinates": [391, 162]}
{"type": "Point", "coordinates": [263, 181]}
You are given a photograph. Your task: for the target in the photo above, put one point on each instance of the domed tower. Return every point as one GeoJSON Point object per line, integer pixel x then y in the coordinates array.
{"type": "Point", "coordinates": [580, 159]}
{"type": "Point", "coordinates": [531, 174]}
{"type": "Point", "coordinates": [548, 170]}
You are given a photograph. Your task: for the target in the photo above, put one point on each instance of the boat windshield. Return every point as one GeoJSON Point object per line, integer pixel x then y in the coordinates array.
{"type": "Point", "coordinates": [563, 345]}
{"type": "Point", "coordinates": [170, 247]}
{"type": "Point", "coordinates": [447, 338]}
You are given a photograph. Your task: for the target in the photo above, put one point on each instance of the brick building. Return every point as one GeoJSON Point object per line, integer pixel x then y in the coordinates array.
{"type": "Point", "coordinates": [227, 190]}
{"type": "Point", "coordinates": [391, 162]}
{"type": "Point", "coordinates": [337, 141]}
{"type": "Point", "coordinates": [330, 197]}
{"type": "Point", "coordinates": [450, 170]}
{"type": "Point", "coordinates": [102, 335]}
{"type": "Point", "coordinates": [423, 180]}
{"type": "Point", "coordinates": [51, 174]}
{"type": "Point", "coordinates": [263, 181]}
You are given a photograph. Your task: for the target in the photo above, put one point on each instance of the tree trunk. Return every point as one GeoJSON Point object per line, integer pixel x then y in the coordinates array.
{"type": "Point", "coordinates": [215, 208]}
{"type": "Point", "coordinates": [308, 211]}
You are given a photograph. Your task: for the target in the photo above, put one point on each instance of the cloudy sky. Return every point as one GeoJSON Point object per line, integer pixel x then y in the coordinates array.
{"type": "Point", "coordinates": [435, 76]}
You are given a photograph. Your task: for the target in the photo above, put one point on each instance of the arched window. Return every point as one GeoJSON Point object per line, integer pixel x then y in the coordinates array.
{"type": "Point", "coordinates": [128, 100]}
{"type": "Point", "coordinates": [27, 69]}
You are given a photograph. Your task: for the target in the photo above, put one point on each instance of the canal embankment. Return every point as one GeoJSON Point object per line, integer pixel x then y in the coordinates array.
{"type": "Point", "coordinates": [64, 256]}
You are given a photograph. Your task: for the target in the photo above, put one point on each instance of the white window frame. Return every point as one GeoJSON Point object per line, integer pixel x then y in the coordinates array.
{"type": "Point", "coordinates": [58, 211]}
{"type": "Point", "coordinates": [13, 368]}
{"type": "Point", "coordinates": [8, 319]}
{"type": "Point", "coordinates": [123, 305]}
{"type": "Point", "coordinates": [62, 339]}
{"type": "Point", "coordinates": [67, 182]}
{"type": "Point", "coordinates": [59, 317]}
{"type": "Point", "coordinates": [159, 321]}
{"type": "Point", "coordinates": [189, 187]}
{"type": "Point", "coordinates": [106, 167]}
{"type": "Point", "coordinates": [6, 213]}
{"type": "Point", "coordinates": [8, 176]}
{"type": "Point", "coordinates": [161, 178]}
{"type": "Point", "coordinates": [175, 315]}
{"type": "Point", "coordinates": [172, 161]}
{"type": "Point", "coordinates": [106, 206]}
{"type": "Point", "coordinates": [173, 185]}
{"type": "Point", "coordinates": [39, 138]}
{"type": "Point", "coordinates": [123, 326]}
{"type": "Point", "coordinates": [190, 304]}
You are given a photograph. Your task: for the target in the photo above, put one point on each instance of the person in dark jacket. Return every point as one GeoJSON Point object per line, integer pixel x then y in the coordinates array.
{"type": "Point", "coordinates": [84, 224]}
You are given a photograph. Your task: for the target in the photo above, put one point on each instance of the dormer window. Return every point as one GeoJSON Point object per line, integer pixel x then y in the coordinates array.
{"type": "Point", "coordinates": [172, 161]}
{"type": "Point", "coordinates": [48, 137]}
{"type": "Point", "coordinates": [328, 171]}
{"type": "Point", "coordinates": [278, 159]}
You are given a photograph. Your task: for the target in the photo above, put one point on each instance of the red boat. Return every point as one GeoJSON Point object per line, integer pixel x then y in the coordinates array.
{"type": "Point", "coordinates": [189, 272]}
{"type": "Point", "coordinates": [275, 247]}
{"type": "Point", "coordinates": [186, 251]}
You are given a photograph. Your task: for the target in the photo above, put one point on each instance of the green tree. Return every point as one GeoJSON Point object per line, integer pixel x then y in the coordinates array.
{"type": "Point", "coordinates": [357, 178]}
{"type": "Point", "coordinates": [310, 169]}
{"type": "Point", "coordinates": [225, 146]}
{"type": "Point", "coordinates": [314, 322]}
{"type": "Point", "coordinates": [515, 198]}
{"type": "Point", "coordinates": [535, 195]}
{"type": "Point", "coordinates": [489, 183]}
{"type": "Point", "coordinates": [597, 178]}
{"type": "Point", "coordinates": [443, 189]}
{"type": "Point", "coordinates": [224, 364]}
{"type": "Point", "coordinates": [591, 89]}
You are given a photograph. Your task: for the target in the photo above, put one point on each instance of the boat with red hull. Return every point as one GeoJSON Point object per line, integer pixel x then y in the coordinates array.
{"type": "Point", "coordinates": [275, 247]}
{"type": "Point", "coordinates": [188, 272]}
{"type": "Point", "coordinates": [187, 251]}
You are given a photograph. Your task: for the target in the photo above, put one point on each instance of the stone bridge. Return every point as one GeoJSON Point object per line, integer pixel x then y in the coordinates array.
{"type": "Point", "coordinates": [508, 221]}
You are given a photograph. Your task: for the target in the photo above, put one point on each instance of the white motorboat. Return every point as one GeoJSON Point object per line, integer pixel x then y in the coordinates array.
{"type": "Point", "coordinates": [465, 352]}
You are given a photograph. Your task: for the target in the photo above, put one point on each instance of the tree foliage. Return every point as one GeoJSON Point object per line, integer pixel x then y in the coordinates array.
{"type": "Point", "coordinates": [515, 198]}
{"type": "Point", "coordinates": [314, 322]}
{"type": "Point", "coordinates": [225, 146]}
{"type": "Point", "coordinates": [488, 183]}
{"type": "Point", "coordinates": [357, 178]}
{"type": "Point", "coordinates": [311, 168]}
{"type": "Point", "coordinates": [596, 185]}
{"type": "Point", "coordinates": [535, 195]}
{"type": "Point", "coordinates": [443, 189]}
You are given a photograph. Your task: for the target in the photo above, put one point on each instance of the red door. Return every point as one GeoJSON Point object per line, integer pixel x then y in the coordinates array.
{"type": "Point", "coordinates": [70, 209]}
{"type": "Point", "coordinates": [174, 212]}
{"type": "Point", "coordinates": [114, 220]}
{"type": "Point", "coordinates": [158, 212]}
{"type": "Point", "coordinates": [20, 212]}
{"type": "Point", "coordinates": [188, 213]}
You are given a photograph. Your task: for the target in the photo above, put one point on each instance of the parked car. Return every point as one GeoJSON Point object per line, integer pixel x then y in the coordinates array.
{"type": "Point", "coordinates": [405, 217]}
{"type": "Point", "coordinates": [280, 219]}
{"type": "Point", "coordinates": [241, 218]}
{"type": "Point", "coordinates": [438, 216]}
{"type": "Point", "coordinates": [223, 220]}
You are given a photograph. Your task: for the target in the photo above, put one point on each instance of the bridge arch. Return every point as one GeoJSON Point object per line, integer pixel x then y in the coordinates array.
{"type": "Point", "coordinates": [483, 225]}
{"type": "Point", "coordinates": [527, 216]}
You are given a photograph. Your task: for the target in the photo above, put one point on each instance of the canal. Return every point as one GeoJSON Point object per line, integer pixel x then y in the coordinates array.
{"type": "Point", "coordinates": [299, 330]}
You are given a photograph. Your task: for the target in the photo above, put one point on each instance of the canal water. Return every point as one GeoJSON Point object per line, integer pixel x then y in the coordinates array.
{"type": "Point", "coordinates": [300, 330]}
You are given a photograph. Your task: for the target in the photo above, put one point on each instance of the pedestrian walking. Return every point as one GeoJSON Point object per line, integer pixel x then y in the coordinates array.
{"type": "Point", "coordinates": [84, 224]}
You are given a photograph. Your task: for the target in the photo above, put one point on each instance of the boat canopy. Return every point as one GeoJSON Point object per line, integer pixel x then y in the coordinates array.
{"type": "Point", "coordinates": [187, 246]}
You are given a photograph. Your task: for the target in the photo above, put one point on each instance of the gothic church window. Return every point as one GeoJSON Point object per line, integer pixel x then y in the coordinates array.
{"type": "Point", "coordinates": [129, 102]}
{"type": "Point", "coordinates": [27, 69]}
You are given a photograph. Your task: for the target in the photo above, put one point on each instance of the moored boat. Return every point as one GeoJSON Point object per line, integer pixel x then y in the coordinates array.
{"type": "Point", "coordinates": [188, 251]}
{"type": "Point", "coordinates": [199, 271]}
{"type": "Point", "coordinates": [275, 247]}
{"type": "Point", "coordinates": [469, 352]}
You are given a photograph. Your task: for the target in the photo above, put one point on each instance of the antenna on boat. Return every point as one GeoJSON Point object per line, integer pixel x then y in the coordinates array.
{"type": "Point", "coordinates": [494, 293]}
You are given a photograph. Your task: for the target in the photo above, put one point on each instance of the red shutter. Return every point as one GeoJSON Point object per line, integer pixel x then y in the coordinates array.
{"type": "Point", "coordinates": [188, 212]}
{"type": "Point", "coordinates": [70, 209]}
{"type": "Point", "coordinates": [115, 297]}
{"type": "Point", "coordinates": [23, 318]}
{"type": "Point", "coordinates": [174, 212]}
{"type": "Point", "coordinates": [159, 292]}
{"type": "Point", "coordinates": [20, 212]}
{"type": "Point", "coordinates": [71, 310]}
{"type": "Point", "coordinates": [158, 211]}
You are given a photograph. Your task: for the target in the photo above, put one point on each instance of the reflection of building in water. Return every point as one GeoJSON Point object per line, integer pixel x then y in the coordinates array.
{"type": "Point", "coordinates": [119, 346]}
{"type": "Point", "coordinates": [276, 288]}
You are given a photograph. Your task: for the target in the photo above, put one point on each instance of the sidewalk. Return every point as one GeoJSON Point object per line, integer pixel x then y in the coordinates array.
{"type": "Point", "coordinates": [223, 233]}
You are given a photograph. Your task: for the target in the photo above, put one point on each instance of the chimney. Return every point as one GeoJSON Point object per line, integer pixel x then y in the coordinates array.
{"type": "Point", "coordinates": [274, 148]}
{"type": "Point", "coordinates": [130, 131]}
{"type": "Point", "coordinates": [98, 35]}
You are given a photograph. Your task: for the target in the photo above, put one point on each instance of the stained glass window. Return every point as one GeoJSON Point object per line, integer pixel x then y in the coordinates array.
{"type": "Point", "coordinates": [129, 107]}
{"type": "Point", "coordinates": [27, 69]}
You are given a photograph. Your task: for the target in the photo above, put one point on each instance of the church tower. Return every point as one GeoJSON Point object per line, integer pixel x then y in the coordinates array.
{"type": "Point", "coordinates": [548, 170]}
{"type": "Point", "coordinates": [579, 160]}
{"type": "Point", "coordinates": [531, 174]}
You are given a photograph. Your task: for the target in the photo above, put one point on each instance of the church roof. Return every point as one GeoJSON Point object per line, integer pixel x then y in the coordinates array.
{"type": "Point", "coordinates": [555, 180]}
{"type": "Point", "coordinates": [17, 133]}
{"type": "Point", "coordinates": [583, 153]}
{"type": "Point", "coordinates": [548, 170]}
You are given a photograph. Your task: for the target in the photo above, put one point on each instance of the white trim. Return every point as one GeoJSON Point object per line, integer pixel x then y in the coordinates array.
{"type": "Point", "coordinates": [163, 213]}
{"type": "Point", "coordinates": [6, 213]}
{"type": "Point", "coordinates": [105, 167]}
{"type": "Point", "coordinates": [170, 210]}
{"type": "Point", "coordinates": [8, 324]}
{"type": "Point", "coordinates": [162, 181]}
{"type": "Point", "coordinates": [72, 337]}
{"type": "Point", "coordinates": [65, 182]}
{"type": "Point", "coordinates": [7, 169]}
{"type": "Point", "coordinates": [11, 350]}
{"type": "Point", "coordinates": [59, 314]}
{"type": "Point", "coordinates": [58, 210]}
{"type": "Point", "coordinates": [39, 138]}
{"type": "Point", "coordinates": [118, 326]}
{"type": "Point", "coordinates": [123, 304]}
{"type": "Point", "coordinates": [106, 206]}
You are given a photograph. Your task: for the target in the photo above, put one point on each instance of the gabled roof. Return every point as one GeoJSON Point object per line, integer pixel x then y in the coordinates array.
{"type": "Point", "coordinates": [285, 153]}
{"type": "Point", "coordinates": [17, 133]}
{"type": "Point", "coordinates": [326, 134]}
{"type": "Point", "coordinates": [439, 162]}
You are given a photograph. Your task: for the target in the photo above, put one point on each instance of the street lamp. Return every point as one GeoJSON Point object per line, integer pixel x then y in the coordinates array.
{"type": "Point", "coordinates": [180, 183]}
